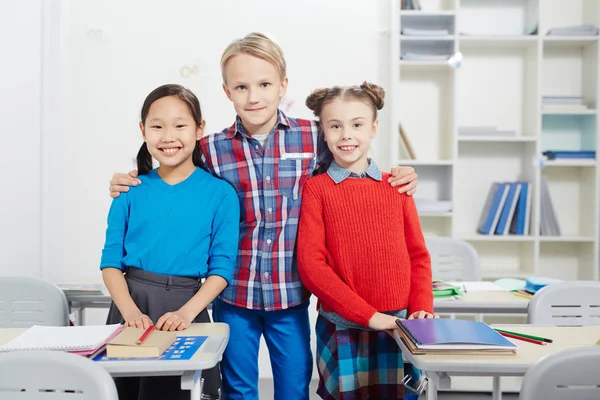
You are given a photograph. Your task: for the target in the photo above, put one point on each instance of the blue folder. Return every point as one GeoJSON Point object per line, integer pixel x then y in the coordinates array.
{"type": "Point", "coordinates": [453, 334]}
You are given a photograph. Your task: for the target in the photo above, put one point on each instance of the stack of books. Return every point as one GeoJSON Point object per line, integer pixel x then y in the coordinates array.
{"type": "Point", "coordinates": [575, 30]}
{"type": "Point", "coordinates": [452, 336]}
{"type": "Point", "coordinates": [507, 209]}
{"type": "Point", "coordinates": [548, 222]}
{"type": "Point", "coordinates": [445, 291]}
{"type": "Point", "coordinates": [566, 104]}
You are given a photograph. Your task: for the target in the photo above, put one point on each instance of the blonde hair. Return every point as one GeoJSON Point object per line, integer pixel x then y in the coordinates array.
{"type": "Point", "coordinates": [257, 45]}
{"type": "Point", "coordinates": [370, 93]}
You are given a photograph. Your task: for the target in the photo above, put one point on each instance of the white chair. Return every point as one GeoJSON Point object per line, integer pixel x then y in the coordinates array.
{"type": "Point", "coordinates": [453, 259]}
{"type": "Point", "coordinates": [569, 374]}
{"type": "Point", "coordinates": [574, 303]}
{"type": "Point", "coordinates": [27, 301]}
{"type": "Point", "coordinates": [29, 375]}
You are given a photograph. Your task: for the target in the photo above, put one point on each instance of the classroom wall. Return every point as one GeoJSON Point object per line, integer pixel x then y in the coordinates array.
{"type": "Point", "coordinates": [78, 72]}
{"type": "Point", "coordinates": [20, 112]}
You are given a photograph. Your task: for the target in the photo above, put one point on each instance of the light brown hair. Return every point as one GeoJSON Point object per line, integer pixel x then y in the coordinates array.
{"type": "Point", "coordinates": [370, 93]}
{"type": "Point", "coordinates": [257, 45]}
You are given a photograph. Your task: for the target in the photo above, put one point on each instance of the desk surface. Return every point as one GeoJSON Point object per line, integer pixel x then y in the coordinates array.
{"type": "Point", "coordinates": [209, 354]}
{"type": "Point", "coordinates": [527, 353]}
{"type": "Point", "coordinates": [485, 302]}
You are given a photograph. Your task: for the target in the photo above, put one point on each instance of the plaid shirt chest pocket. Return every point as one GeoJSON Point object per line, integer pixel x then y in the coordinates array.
{"type": "Point", "coordinates": [294, 170]}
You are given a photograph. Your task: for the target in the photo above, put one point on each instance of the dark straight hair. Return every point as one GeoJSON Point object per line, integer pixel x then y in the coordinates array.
{"type": "Point", "coordinates": [144, 159]}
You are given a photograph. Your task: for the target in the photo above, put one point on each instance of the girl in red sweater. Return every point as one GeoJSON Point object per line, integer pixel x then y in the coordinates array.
{"type": "Point", "coordinates": [361, 251]}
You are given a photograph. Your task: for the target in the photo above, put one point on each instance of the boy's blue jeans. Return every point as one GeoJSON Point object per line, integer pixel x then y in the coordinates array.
{"type": "Point", "coordinates": [287, 334]}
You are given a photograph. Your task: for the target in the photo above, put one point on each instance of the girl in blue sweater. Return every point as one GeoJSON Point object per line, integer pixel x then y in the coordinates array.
{"type": "Point", "coordinates": [164, 237]}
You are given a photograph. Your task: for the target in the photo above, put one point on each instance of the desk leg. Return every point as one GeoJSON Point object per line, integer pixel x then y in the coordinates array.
{"type": "Point", "coordinates": [497, 391]}
{"type": "Point", "coordinates": [80, 316]}
{"type": "Point", "coordinates": [192, 381]}
{"type": "Point", "coordinates": [431, 390]}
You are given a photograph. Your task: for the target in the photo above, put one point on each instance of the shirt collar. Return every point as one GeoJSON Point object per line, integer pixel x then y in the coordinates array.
{"type": "Point", "coordinates": [238, 127]}
{"type": "Point", "coordinates": [338, 174]}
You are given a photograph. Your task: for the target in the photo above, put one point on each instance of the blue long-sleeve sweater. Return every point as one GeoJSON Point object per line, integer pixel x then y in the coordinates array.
{"type": "Point", "coordinates": [187, 229]}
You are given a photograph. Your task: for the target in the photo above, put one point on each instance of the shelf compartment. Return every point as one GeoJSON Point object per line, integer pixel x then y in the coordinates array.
{"type": "Point", "coordinates": [573, 195]}
{"type": "Point", "coordinates": [506, 258]}
{"type": "Point", "coordinates": [570, 71]}
{"type": "Point", "coordinates": [568, 261]}
{"type": "Point", "coordinates": [561, 13]}
{"type": "Point", "coordinates": [435, 182]}
{"type": "Point", "coordinates": [478, 166]}
{"type": "Point", "coordinates": [426, 113]}
{"type": "Point", "coordinates": [445, 7]}
{"type": "Point", "coordinates": [481, 18]}
{"type": "Point", "coordinates": [427, 21]}
{"type": "Point", "coordinates": [513, 89]}
{"type": "Point", "coordinates": [568, 132]}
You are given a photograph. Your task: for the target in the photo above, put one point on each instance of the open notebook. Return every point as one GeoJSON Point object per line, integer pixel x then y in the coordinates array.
{"type": "Point", "coordinates": [79, 339]}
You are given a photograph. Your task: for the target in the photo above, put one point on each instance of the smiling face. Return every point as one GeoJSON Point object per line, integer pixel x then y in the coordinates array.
{"type": "Point", "coordinates": [171, 134]}
{"type": "Point", "coordinates": [349, 126]}
{"type": "Point", "coordinates": [255, 88]}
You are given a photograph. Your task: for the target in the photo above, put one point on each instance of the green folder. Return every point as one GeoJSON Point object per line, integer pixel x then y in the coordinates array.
{"type": "Point", "coordinates": [443, 290]}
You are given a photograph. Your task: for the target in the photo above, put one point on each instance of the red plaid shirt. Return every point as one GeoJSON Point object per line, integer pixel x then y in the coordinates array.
{"type": "Point", "coordinates": [269, 182]}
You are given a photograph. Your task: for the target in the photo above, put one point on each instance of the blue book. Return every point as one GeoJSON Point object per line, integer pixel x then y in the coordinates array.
{"type": "Point", "coordinates": [447, 335]}
{"type": "Point", "coordinates": [494, 204]}
{"type": "Point", "coordinates": [556, 154]}
{"type": "Point", "coordinates": [508, 209]}
{"type": "Point", "coordinates": [535, 283]}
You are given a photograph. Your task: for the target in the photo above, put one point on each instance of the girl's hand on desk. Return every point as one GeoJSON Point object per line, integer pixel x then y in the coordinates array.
{"type": "Point", "coordinates": [422, 314]}
{"type": "Point", "coordinates": [138, 320]}
{"type": "Point", "coordinates": [382, 322]}
{"type": "Point", "coordinates": [172, 321]}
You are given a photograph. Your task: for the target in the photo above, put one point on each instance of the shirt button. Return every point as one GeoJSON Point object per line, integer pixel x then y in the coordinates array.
{"type": "Point", "coordinates": [256, 147]}
{"type": "Point", "coordinates": [266, 275]}
{"type": "Point", "coordinates": [268, 178]}
{"type": "Point", "coordinates": [270, 210]}
{"type": "Point", "coordinates": [268, 241]}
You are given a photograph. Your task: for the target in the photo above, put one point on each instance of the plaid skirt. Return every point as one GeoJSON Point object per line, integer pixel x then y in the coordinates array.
{"type": "Point", "coordinates": [357, 364]}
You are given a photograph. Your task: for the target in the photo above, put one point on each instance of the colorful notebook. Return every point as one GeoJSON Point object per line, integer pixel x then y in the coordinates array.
{"type": "Point", "coordinates": [452, 335]}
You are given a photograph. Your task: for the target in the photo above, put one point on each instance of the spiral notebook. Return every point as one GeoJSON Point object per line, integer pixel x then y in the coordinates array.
{"type": "Point", "coordinates": [63, 338]}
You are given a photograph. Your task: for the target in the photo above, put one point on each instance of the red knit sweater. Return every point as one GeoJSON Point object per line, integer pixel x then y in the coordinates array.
{"type": "Point", "coordinates": [361, 248]}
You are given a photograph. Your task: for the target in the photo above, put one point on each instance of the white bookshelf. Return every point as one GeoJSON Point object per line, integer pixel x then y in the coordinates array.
{"type": "Point", "coordinates": [507, 67]}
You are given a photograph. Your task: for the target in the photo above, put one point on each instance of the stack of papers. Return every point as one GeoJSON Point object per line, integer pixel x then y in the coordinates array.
{"type": "Point", "coordinates": [424, 32]}
{"type": "Point", "coordinates": [576, 30]}
{"type": "Point", "coordinates": [563, 103]}
{"type": "Point", "coordinates": [484, 131]}
{"type": "Point", "coordinates": [84, 340]}
{"type": "Point", "coordinates": [452, 336]}
{"type": "Point", "coordinates": [424, 57]}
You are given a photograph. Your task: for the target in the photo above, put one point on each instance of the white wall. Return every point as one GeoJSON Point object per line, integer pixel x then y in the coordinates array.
{"type": "Point", "coordinates": [77, 72]}
{"type": "Point", "coordinates": [20, 113]}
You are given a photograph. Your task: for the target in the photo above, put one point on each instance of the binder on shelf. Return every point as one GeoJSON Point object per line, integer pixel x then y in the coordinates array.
{"type": "Point", "coordinates": [506, 216]}
{"type": "Point", "coordinates": [520, 222]}
{"type": "Point", "coordinates": [405, 143]}
{"type": "Point", "coordinates": [493, 208]}
{"type": "Point", "coordinates": [568, 154]}
{"type": "Point", "coordinates": [548, 221]}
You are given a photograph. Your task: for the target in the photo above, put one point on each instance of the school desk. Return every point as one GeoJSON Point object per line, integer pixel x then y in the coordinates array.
{"type": "Point", "coordinates": [439, 368]}
{"type": "Point", "coordinates": [484, 302]}
{"type": "Point", "coordinates": [79, 302]}
{"type": "Point", "coordinates": [207, 356]}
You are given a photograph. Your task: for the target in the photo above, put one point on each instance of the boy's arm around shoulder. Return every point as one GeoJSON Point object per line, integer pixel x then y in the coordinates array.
{"type": "Point", "coordinates": [317, 275]}
{"type": "Point", "coordinates": [223, 248]}
{"type": "Point", "coordinates": [421, 292]}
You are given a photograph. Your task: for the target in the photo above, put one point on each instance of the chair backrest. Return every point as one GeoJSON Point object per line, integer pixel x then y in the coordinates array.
{"type": "Point", "coordinates": [569, 374]}
{"type": "Point", "coordinates": [574, 303]}
{"type": "Point", "coordinates": [453, 259]}
{"type": "Point", "coordinates": [28, 375]}
{"type": "Point", "coordinates": [28, 301]}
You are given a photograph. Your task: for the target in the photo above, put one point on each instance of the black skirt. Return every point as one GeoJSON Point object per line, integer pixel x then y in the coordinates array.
{"type": "Point", "coordinates": [156, 295]}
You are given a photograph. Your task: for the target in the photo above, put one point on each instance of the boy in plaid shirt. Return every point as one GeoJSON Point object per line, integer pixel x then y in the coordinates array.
{"type": "Point", "coordinates": [267, 156]}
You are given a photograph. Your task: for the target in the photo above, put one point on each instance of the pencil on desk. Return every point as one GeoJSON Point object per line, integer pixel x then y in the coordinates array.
{"type": "Point", "coordinates": [541, 339]}
{"type": "Point", "coordinates": [522, 295]}
{"type": "Point", "coordinates": [525, 339]}
{"type": "Point", "coordinates": [145, 335]}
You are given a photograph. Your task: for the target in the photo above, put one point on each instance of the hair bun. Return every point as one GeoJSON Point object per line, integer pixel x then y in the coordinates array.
{"type": "Point", "coordinates": [315, 100]}
{"type": "Point", "coordinates": [375, 92]}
